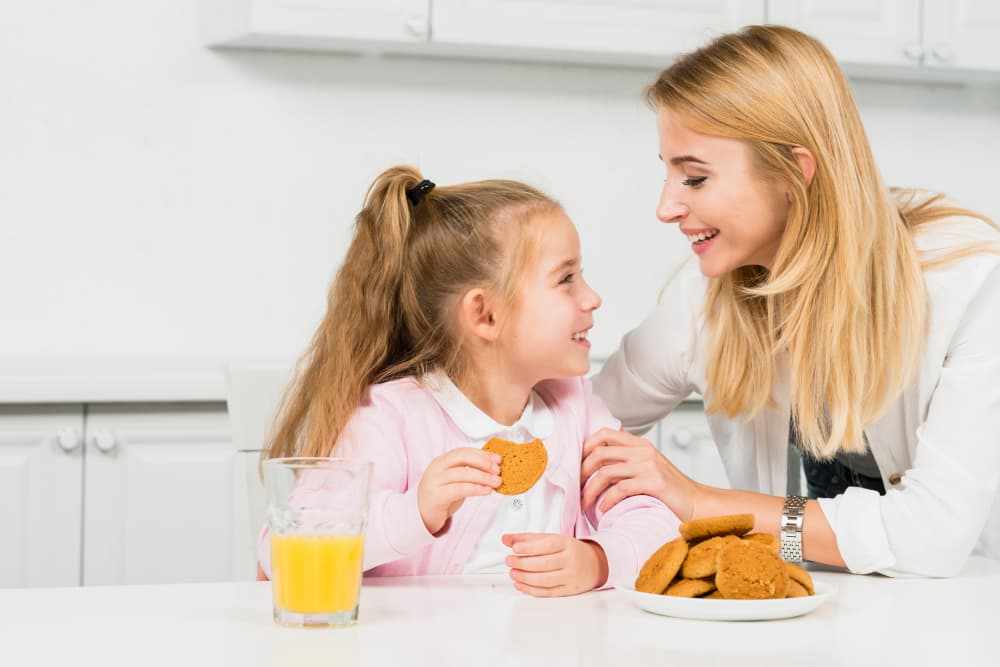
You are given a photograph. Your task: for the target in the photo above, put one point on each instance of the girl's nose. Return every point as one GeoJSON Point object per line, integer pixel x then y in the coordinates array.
{"type": "Point", "coordinates": [591, 299]}
{"type": "Point", "coordinates": [670, 208]}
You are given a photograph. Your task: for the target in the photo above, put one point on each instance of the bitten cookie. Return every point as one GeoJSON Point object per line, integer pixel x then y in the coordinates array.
{"type": "Point", "coordinates": [700, 561]}
{"type": "Point", "coordinates": [730, 524]}
{"type": "Point", "coordinates": [749, 571]}
{"type": "Point", "coordinates": [690, 588]}
{"type": "Point", "coordinates": [521, 464]}
{"type": "Point", "coordinates": [661, 568]}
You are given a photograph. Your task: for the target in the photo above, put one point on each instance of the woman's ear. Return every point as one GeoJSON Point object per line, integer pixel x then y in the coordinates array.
{"type": "Point", "coordinates": [807, 163]}
{"type": "Point", "coordinates": [476, 315]}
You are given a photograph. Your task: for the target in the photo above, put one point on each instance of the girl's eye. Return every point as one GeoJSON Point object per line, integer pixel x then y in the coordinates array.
{"type": "Point", "coordinates": [568, 278]}
{"type": "Point", "coordinates": [694, 182]}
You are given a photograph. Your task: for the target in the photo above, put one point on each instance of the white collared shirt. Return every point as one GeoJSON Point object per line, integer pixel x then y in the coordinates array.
{"type": "Point", "coordinates": [537, 510]}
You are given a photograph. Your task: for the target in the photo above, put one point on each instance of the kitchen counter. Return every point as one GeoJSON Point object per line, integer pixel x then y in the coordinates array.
{"type": "Point", "coordinates": [112, 380]}
{"type": "Point", "coordinates": [470, 621]}
{"type": "Point", "coordinates": [126, 380]}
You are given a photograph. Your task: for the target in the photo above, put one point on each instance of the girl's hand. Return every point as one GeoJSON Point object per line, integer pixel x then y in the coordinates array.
{"type": "Point", "coordinates": [550, 565]}
{"type": "Point", "coordinates": [626, 465]}
{"type": "Point", "coordinates": [450, 479]}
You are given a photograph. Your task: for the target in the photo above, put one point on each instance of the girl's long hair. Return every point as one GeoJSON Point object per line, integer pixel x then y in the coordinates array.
{"type": "Point", "coordinates": [392, 308]}
{"type": "Point", "coordinates": [845, 295]}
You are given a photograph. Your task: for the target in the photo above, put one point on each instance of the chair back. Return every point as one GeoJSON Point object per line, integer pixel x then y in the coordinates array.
{"type": "Point", "coordinates": [253, 396]}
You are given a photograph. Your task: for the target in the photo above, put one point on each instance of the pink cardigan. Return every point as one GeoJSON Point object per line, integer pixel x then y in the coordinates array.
{"type": "Point", "coordinates": [401, 428]}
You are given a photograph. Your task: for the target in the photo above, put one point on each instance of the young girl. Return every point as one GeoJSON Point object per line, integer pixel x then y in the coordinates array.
{"type": "Point", "coordinates": [460, 314]}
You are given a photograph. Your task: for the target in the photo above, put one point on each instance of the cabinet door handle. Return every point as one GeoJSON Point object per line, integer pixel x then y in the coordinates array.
{"type": "Point", "coordinates": [105, 441]}
{"type": "Point", "coordinates": [683, 437]}
{"type": "Point", "coordinates": [68, 439]}
{"type": "Point", "coordinates": [943, 53]}
{"type": "Point", "coordinates": [416, 25]}
{"type": "Point", "coordinates": [914, 51]}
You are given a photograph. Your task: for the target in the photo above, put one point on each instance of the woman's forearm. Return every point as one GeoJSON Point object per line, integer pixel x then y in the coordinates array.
{"type": "Point", "coordinates": [819, 544]}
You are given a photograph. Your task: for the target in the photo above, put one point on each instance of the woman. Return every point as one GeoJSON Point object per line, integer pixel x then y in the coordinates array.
{"type": "Point", "coordinates": [828, 316]}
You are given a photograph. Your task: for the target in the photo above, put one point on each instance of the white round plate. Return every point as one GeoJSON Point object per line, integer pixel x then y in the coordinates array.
{"type": "Point", "coordinates": [726, 610]}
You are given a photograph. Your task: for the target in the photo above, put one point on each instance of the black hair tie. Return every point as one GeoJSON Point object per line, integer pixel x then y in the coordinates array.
{"type": "Point", "coordinates": [417, 192]}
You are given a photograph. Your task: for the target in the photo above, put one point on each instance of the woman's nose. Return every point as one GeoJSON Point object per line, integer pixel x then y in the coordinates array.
{"type": "Point", "coordinates": [670, 208]}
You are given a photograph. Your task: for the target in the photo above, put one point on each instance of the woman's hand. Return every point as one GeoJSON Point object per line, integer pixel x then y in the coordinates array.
{"type": "Point", "coordinates": [623, 465]}
{"type": "Point", "coordinates": [551, 565]}
{"type": "Point", "coordinates": [450, 479]}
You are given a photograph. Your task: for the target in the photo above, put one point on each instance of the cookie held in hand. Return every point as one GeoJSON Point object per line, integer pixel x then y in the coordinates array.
{"type": "Point", "coordinates": [521, 465]}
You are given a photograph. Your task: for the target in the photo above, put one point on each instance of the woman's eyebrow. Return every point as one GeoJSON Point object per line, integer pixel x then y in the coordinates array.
{"type": "Point", "coordinates": [681, 159]}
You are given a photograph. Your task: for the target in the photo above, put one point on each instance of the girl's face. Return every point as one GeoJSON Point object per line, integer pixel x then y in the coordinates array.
{"type": "Point", "coordinates": [732, 216]}
{"type": "Point", "coordinates": [547, 335]}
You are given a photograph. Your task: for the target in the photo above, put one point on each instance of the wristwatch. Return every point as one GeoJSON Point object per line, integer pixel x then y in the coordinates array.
{"type": "Point", "coordinates": [791, 528]}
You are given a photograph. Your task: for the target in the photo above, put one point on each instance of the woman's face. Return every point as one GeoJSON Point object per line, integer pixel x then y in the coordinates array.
{"type": "Point", "coordinates": [732, 216]}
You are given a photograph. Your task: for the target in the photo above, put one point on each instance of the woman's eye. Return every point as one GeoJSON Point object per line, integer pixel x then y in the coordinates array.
{"type": "Point", "coordinates": [694, 182]}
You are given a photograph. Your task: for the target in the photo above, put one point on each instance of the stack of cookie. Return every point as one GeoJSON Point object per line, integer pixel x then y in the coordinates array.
{"type": "Point", "coordinates": [720, 558]}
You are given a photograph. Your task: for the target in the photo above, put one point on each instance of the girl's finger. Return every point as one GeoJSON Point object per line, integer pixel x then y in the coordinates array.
{"type": "Point", "coordinates": [550, 579]}
{"type": "Point", "coordinates": [537, 544]}
{"type": "Point", "coordinates": [546, 563]}
{"type": "Point", "coordinates": [460, 491]}
{"type": "Point", "coordinates": [540, 592]}
{"type": "Point", "coordinates": [470, 476]}
{"type": "Point", "coordinates": [473, 458]}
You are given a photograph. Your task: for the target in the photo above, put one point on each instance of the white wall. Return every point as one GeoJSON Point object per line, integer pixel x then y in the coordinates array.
{"type": "Point", "coordinates": [158, 198]}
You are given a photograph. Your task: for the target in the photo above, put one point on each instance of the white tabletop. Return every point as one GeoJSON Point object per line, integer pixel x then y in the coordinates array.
{"type": "Point", "coordinates": [470, 621]}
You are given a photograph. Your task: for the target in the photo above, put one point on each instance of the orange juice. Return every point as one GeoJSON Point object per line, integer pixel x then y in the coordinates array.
{"type": "Point", "coordinates": [316, 574]}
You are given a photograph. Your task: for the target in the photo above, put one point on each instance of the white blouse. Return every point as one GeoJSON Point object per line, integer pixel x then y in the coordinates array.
{"type": "Point", "coordinates": [937, 446]}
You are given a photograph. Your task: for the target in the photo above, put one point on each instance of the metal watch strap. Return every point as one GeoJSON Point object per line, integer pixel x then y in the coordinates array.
{"type": "Point", "coordinates": [791, 528]}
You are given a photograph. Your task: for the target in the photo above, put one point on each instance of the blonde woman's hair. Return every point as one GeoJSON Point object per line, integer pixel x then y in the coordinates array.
{"type": "Point", "coordinates": [392, 308]}
{"type": "Point", "coordinates": [845, 294]}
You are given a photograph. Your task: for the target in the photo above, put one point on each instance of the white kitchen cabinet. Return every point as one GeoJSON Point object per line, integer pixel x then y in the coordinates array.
{"type": "Point", "coordinates": [872, 32]}
{"type": "Point", "coordinates": [922, 35]}
{"type": "Point", "coordinates": [159, 502]}
{"type": "Point", "coordinates": [314, 24]}
{"type": "Point", "coordinates": [654, 29]}
{"type": "Point", "coordinates": [41, 478]}
{"type": "Point", "coordinates": [684, 438]}
{"type": "Point", "coordinates": [118, 494]}
{"type": "Point", "coordinates": [962, 34]}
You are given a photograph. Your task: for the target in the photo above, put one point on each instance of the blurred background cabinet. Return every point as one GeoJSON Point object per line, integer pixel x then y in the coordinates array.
{"type": "Point", "coordinates": [658, 28]}
{"type": "Point", "coordinates": [314, 24]}
{"type": "Point", "coordinates": [941, 34]}
{"type": "Point", "coordinates": [117, 494]}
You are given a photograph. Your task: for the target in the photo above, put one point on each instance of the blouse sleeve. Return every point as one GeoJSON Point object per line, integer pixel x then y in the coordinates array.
{"type": "Point", "coordinates": [650, 373]}
{"type": "Point", "coordinates": [929, 526]}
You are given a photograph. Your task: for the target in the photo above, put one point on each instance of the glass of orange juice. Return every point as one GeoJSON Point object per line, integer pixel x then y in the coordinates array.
{"type": "Point", "coordinates": [317, 508]}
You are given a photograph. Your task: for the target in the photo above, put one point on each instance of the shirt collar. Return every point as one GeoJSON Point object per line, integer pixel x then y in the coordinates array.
{"type": "Point", "coordinates": [536, 420]}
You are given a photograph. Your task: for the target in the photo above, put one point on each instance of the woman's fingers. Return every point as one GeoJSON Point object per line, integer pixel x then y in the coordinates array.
{"type": "Point", "coordinates": [607, 476]}
{"type": "Point", "coordinates": [607, 436]}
